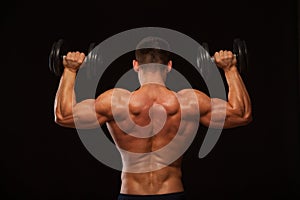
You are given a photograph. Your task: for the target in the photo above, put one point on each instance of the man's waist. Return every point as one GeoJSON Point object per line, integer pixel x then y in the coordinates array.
{"type": "Point", "coordinates": [165, 196]}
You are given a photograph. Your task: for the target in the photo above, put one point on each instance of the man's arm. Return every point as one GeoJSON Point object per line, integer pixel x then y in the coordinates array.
{"type": "Point", "coordinates": [85, 114]}
{"type": "Point", "coordinates": [237, 110]}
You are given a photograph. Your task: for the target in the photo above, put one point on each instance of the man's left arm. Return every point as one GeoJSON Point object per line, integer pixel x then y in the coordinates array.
{"type": "Point", "coordinates": [86, 114]}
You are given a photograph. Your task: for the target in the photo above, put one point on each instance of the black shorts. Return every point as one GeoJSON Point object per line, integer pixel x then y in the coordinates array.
{"type": "Point", "coordinates": [170, 196]}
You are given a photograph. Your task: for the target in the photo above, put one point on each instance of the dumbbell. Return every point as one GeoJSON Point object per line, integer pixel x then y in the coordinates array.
{"type": "Point", "coordinates": [59, 50]}
{"type": "Point", "coordinates": [239, 50]}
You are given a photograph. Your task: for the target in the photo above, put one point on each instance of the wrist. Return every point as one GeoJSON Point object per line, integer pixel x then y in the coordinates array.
{"type": "Point", "coordinates": [231, 69]}
{"type": "Point", "coordinates": [70, 71]}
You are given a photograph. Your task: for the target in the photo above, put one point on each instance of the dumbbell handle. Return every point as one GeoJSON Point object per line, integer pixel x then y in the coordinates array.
{"type": "Point", "coordinates": [239, 52]}
{"type": "Point", "coordinates": [213, 59]}
{"type": "Point", "coordinates": [84, 61]}
{"type": "Point", "coordinates": [92, 45]}
{"type": "Point", "coordinates": [57, 56]}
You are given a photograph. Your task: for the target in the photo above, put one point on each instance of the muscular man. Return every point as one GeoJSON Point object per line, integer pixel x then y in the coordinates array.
{"type": "Point", "coordinates": [149, 118]}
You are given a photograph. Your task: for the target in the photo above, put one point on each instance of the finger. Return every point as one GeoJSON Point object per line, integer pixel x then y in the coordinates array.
{"type": "Point", "coordinates": [81, 57]}
{"type": "Point", "coordinates": [225, 54]}
{"type": "Point", "coordinates": [64, 60]}
{"type": "Point", "coordinates": [76, 56]}
{"type": "Point", "coordinates": [234, 59]}
{"type": "Point", "coordinates": [77, 53]}
{"type": "Point", "coordinates": [221, 52]}
{"type": "Point", "coordinates": [70, 56]}
{"type": "Point", "coordinates": [217, 56]}
{"type": "Point", "coordinates": [229, 53]}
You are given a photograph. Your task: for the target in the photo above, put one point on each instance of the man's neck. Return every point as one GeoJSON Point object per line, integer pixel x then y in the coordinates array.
{"type": "Point", "coordinates": [150, 78]}
{"type": "Point", "coordinates": [153, 82]}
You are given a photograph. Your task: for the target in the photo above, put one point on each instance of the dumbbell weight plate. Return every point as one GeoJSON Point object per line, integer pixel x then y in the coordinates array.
{"type": "Point", "coordinates": [246, 57]}
{"type": "Point", "coordinates": [55, 57]}
{"type": "Point", "coordinates": [51, 56]}
{"type": "Point", "coordinates": [240, 50]}
{"type": "Point", "coordinates": [91, 46]}
{"type": "Point", "coordinates": [203, 59]}
{"type": "Point", "coordinates": [92, 61]}
{"type": "Point", "coordinates": [205, 46]}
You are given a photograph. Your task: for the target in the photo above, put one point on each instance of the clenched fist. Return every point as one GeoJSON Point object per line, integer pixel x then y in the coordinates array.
{"type": "Point", "coordinates": [73, 60]}
{"type": "Point", "coordinates": [225, 59]}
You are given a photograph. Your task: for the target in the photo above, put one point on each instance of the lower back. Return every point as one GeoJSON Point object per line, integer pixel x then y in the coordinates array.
{"type": "Point", "coordinates": [163, 181]}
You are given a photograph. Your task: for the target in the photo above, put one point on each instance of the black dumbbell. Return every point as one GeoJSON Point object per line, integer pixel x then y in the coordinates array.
{"type": "Point", "coordinates": [239, 50]}
{"type": "Point", "coordinates": [59, 49]}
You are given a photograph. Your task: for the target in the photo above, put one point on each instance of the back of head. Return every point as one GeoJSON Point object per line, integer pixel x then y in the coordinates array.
{"type": "Point", "coordinates": [153, 50]}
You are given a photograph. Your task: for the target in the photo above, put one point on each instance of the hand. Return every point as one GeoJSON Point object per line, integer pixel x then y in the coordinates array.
{"type": "Point", "coordinates": [73, 60]}
{"type": "Point", "coordinates": [225, 59]}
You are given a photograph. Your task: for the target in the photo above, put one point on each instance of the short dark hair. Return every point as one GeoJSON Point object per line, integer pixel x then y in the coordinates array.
{"type": "Point", "coordinates": [153, 50]}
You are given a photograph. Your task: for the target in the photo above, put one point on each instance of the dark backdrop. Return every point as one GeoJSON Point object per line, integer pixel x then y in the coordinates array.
{"type": "Point", "coordinates": [41, 160]}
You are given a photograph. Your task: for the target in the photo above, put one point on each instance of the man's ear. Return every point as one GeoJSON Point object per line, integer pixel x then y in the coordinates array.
{"type": "Point", "coordinates": [169, 65]}
{"type": "Point", "coordinates": [135, 65]}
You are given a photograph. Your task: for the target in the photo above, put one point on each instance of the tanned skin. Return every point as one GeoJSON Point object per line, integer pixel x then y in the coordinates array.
{"type": "Point", "coordinates": [147, 105]}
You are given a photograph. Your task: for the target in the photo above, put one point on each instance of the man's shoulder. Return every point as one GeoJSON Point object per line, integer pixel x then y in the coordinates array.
{"type": "Point", "coordinates": [121, 91]}
{"type": "Point", "coordinates": [114, 93]}
{"type": "Point", "coordinates": [185, 92]}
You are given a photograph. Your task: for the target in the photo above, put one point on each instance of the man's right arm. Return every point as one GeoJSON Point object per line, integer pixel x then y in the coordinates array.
{"type": "Point", "coordinates": [218, 113]}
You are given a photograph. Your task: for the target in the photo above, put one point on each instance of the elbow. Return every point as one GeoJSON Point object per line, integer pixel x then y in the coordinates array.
{"type": "Point", "coordinates": [64, 120]}
{"type": "Point", "coordinates": [58, 118]}
{"type": "Point", "coordinates": [243, 118]}
{"type": "Point", "coordinates": [61, 119]}
{"type": "Point", "coordinates": [247, 119]}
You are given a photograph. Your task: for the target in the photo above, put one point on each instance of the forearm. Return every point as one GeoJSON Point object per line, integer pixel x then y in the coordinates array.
{"type": "Point", "coordinates": [238, 98]}
{"type": "Point", "coordinates": [65, 97]}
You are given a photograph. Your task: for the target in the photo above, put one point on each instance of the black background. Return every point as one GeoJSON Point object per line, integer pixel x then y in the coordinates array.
{"type": "Point", "coordinates": [41, 160]}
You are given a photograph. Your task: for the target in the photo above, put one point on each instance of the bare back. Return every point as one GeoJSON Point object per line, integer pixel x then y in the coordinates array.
{"type": "Point", "coordinates": [152, 126]}
{"type": "Point", "coordinates": [155, 117]}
